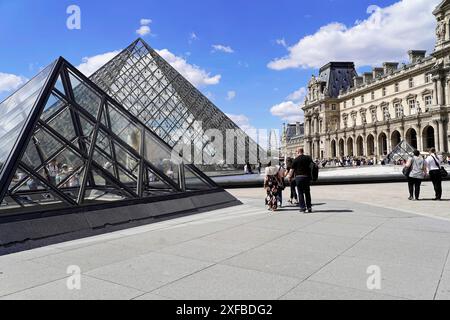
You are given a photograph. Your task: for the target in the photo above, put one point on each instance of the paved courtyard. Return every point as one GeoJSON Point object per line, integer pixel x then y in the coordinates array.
{"type": "Point", "coordinates": [246, 253]}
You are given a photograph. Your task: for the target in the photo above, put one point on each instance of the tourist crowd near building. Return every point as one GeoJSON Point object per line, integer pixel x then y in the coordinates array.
{"type": "Point", "coordinates": [366, 116]}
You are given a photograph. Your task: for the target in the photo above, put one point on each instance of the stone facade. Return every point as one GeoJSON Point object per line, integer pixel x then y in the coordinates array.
{"type": "Point", "coordinates": [368, 115]}
{"type": "Point", "coordinates": [292, 139]}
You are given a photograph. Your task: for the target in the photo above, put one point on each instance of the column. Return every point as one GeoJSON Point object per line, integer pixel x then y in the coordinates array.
{"type": "Point", "coordinates": [419, 138]}
{"type": "Point", "coordinates": [375, 145]}
{"type": "Point", "coordinates": [436, 135]}
{"type": "Point", "coordinates": [442, 136]}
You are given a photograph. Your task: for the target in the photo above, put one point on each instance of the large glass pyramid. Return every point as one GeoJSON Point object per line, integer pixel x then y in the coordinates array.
{"type": "Point", "coordinates": [151, 89]}
{"type": "Point", "coordinates": [64, 143]}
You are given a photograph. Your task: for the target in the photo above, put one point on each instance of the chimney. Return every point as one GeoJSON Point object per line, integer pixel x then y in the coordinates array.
{"type": "Point", "coordinates": [368, 77]}
{"type": "Point", "coordinates": [357, 81]}
{"type": "Point", "coordinates": [416, 55]}
{"type": "Point", "coordinates": [297, 129]}
{"type": "Point", "coordinates": [390, 67]}
{"type": "Point", "coordinates": [378, 72]}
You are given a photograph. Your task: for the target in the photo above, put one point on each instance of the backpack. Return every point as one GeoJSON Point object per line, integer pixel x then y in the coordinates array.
{"type": "Point", "coordinates": [314, 171]}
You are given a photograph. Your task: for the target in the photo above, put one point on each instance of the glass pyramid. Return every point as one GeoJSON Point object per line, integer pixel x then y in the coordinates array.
{"type": "Point", "coordinates": [152, 90]}
{"type": "Point", "coordinates": [402, 152]}
{"type": "Point", "coordinates": [65, 143]}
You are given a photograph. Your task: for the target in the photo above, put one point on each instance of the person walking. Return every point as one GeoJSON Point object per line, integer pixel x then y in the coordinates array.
{"type": "Point", "coordinates": [417, 171]}
{"type": "Point", "coordinates": [272, 185]}
{"type": "Point", "coordinates": [53, 171]}
{"type": "Point", "coordinates": [293, 199]}
{"type": "Point", "coordinates": [301, 168]}
{"type": "Point", "coordinates": [434, 170]}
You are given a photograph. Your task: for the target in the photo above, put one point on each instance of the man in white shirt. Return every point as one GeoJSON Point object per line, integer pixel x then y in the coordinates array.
{"type": "Point", "coordinates": [434, 170]}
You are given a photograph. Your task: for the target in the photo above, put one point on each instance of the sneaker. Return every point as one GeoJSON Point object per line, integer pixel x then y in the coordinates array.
{"type": "Point", "coordinates": [310, 211]}
{"type": "Point", "coordinates": [410, 198]}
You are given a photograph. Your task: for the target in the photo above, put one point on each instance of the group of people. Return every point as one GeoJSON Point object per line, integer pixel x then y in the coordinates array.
{"type": "Point", "coordinates": [418, 168]}
{"type": "Point", "coordinates": [348, 161]}
{"type": "Point", "coordinates": [298, 173]}
{"type": "Point", "coordinates": [56, 175]}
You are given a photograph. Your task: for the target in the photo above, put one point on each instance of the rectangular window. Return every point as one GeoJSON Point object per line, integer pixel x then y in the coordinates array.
{"type": "Point", "coordinates": [384, 92]}
{"type": "Point", "coordinates": [398, 110]}
{"type": "Point", "coordinates": [373, 95]}
{"type": "Point", "coordinates": [428, 78]}
{"type": "Point", "coordinates": [362, 99]}
{"type": "Point", "coordinates": [353, 102]}
{"type": "Point", "coordinates": [411, 83]}
{"type": "Point", "coordinates": [412, 106]}
{"type": "Point", "coordinates": [333, 107]}
{"type": "Point", "coordinates": [428, 103]}
{"type": "Point", "coordinates": [397, 87]}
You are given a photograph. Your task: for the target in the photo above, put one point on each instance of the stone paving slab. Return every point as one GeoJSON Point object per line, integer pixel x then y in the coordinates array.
{"type": "Point", "coordinates": [91, 289]}
{"type": "Point", "coordinates": [312, 290]}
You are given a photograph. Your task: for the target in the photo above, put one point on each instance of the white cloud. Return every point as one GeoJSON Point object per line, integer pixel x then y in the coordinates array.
{"type": "Point", "coordinates": [298, 95]}
{"type": "Point", "coordinates": [289, 111]}
{"type": "Point", "coordinates": [146, 22]}
{"type": "Point", "coordinates": [143, 31]}
{"type": "Point", "coordinates": [231, 95]}
{"type": "Point", "coordinates": [196, 75]}
{"type": "Point", "coordinates": [92, 64]}
{"type": "Point", "coordinates": [145, 27]}
{"type": "Point", "coordinates": [10, 82]}
{"type": "Point", "coordinates": [387, 34]}
{"type": "Point", "coordinates": [222, 48]}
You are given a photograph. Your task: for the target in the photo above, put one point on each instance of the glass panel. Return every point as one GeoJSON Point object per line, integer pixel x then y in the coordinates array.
{"type": "Point", "coordinates": [161, 157]}
{"type": "Point", "coordinates": [63, 124]}
{"type": "Point", "coordinates": [155, 186]}
{"type": "Point", "coordinates": [124, 128]}
{"type": "Point", "coordinates": [193, 182]}
{"type": "Point", "coordinates": [54, 104]}
{"type": "Point", "coordinates": [14, 112]}
{"type": "Point", "coordinates": [31, 156]}
{"type": "Point", "coordinates": [103, 191]}
{"type": "Point", "coordinates": [59, 85]}
{"type": "Point", "coordinates": [85, 96]}
{"type": "Point", "coordinates": [47, 143]}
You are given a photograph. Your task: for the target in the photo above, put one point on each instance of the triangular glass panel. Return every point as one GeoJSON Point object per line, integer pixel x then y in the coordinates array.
{"type": "Point", "coordinates": [54, 104]}
{"type": "Point", "coordinates": [193, 180]}
{"type": "Point", "coordinates": [59, 85]}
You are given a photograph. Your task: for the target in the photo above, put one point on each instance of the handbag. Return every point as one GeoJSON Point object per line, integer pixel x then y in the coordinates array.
{"type": "Point", "coordinates": [444, 173]}
{"type": "Point", "coordinates": [407, 170]}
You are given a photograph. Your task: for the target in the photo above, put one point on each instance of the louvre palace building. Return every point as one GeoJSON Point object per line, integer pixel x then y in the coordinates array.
{"type": "Point", "coordinates": [368, 115]}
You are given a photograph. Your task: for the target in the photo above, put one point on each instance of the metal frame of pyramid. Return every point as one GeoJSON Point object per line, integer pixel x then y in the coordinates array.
{"type": "Point", "coordinates": [106, 158]}
{"type": "Point", "coordinates": [151, 89]}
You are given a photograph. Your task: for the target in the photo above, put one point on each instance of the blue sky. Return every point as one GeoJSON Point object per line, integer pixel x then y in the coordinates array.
{"type": "Point", "coordinates": [255, 33]}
